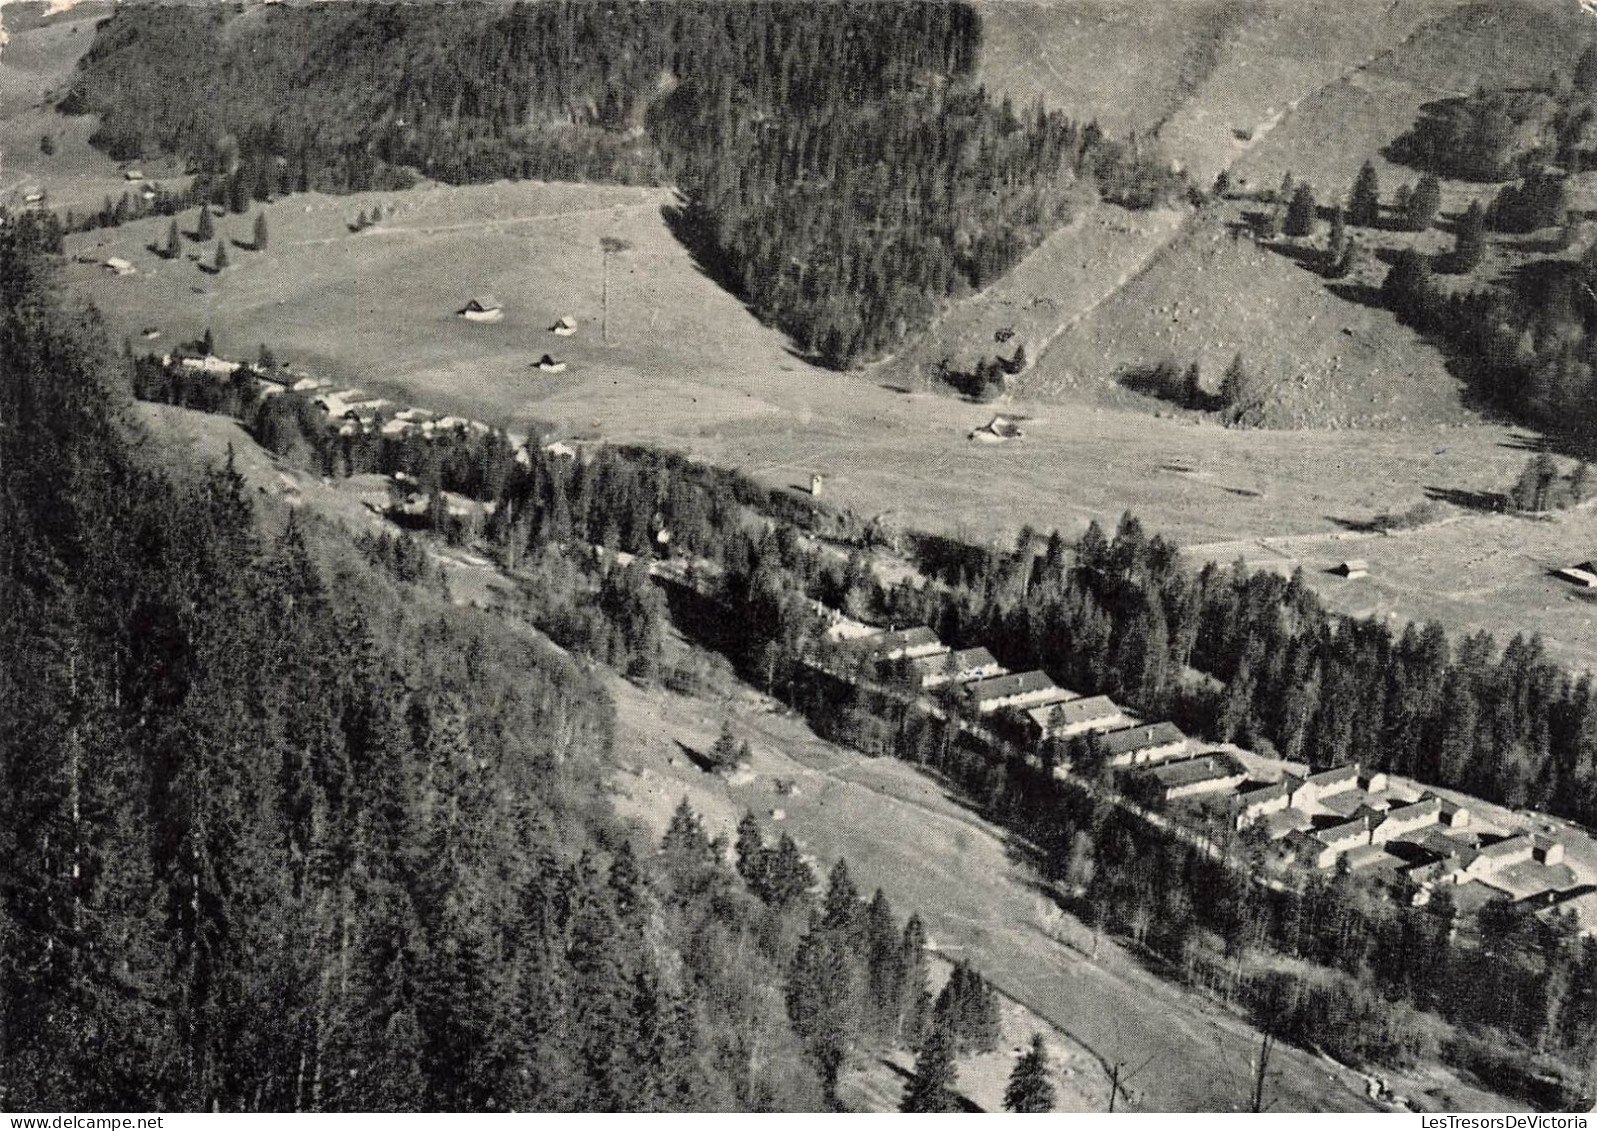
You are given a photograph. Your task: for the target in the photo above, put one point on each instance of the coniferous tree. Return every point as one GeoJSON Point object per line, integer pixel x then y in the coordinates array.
{"type": "Point", "coordinates": [174, 245]}
{"type": "Point", "coordinates": [1364, 202]}
{"type": "Point", "coordinates": [205, 231]}
{"type": "Point", "coordinates": [1586, 71]}
{"type": "Point", "coordinates": [1029, 1088]}
{"type": "Point", "coordinates": [1470, 244]}
{"type": "Point", "coordinates": [1420, 206]}
{"type": "Point", "coordinates": [260, 231]}
{"type": "Point", "coordinates": [1300, 215]}
{"type": "Point", "coordinates": [931, 1088]}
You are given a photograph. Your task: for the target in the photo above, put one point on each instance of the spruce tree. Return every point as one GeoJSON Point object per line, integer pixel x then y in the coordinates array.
{"type": "Point", "coordinates": [221, 255]}
{"type": "Point", "coordinates": [1422, 204]}
{"type": "Point", "coordinates": [1364, 202]}
{"type": "Point", "coordinates": [931, 1088]}
{"type": "Point", "coordinates": [1470, 244]}
{"type": "Point", "coordinates": [785, 877]}
{"type": "Point", "coordinates": [841, 911]}
{"type": "Point", "coordinates": [1586, 71]}
{"type": "Point", "coordinates": [1029, 1088]}
{"type": "Point", "coordinates": [750, 849]}
{"type": "Point", "coordinates": [1301, 215]}
{"type": "Point", "coordinates": [260, 231]}
{"type": "Point", "coordinates": [174, 245]}
{"type": "Point", "coordinates": [205, 231]}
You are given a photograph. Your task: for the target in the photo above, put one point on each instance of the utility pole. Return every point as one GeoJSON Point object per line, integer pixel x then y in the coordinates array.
{"type": "Point", "coordinates": [1115, 1070]}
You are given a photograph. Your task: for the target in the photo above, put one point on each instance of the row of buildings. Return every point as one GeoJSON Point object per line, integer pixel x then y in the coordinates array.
{"type": "Point", "coordinates": [1030, 700]}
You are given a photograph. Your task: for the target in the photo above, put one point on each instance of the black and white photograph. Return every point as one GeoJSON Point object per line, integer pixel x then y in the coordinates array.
{"type": "Point", "coordinates": [798, 556]}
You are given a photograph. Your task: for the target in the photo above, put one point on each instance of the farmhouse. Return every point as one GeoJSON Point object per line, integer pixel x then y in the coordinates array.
{"type": "Point", "coordinates": [1213, 773]}
{"type": "Point", "coordinates": [482, 308]}
{"type": "Point", "coordinates": [963, 666]}
{"type": "Point", "coordinates": [1077, 716]}
{"type": "Point", "coordinates": [119, 266]}
{"type": "Point", "coordinates": [1022, 689]}
{"type": "Point", "coordinates": [1141, 744]}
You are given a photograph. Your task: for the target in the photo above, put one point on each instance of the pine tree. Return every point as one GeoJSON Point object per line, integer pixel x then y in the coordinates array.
{"type": "Point", "coordinates": [260, 231]}
{"type": "Point", "coordinates": [841, 910]}
{"type": "Point", "coordinates": [1470, 244]}
{"type": "Point", "coordinates": [750, 849]}
{"type": "Point", "coordinates": [1301, 213]}
{"type": "Point", "coordinates": [785, 878]}
{"type": "Point", "coordinates": [931, 1088]}
{"type": "Point", "coordinates": [1336, 244]}
{"type": "Point", "coordinates": [916, 995]}
{"type": "Point", "coordinates": [221, 255]}
{"type": "Point", "coordinates": [205, 231]}
{"type": "Point", "coordinates": [1192, 388]}
{"type": "Point", "coordinates": [1241, 395]}
{"type": "Point", "coordinates": [1029, 1088]}
{"type": "Point", "coordinates": [724, 754]}
{"type": "Point", "coordinates": [174, 246]}
{"type": "Point", "coordinates": [1422, 204]}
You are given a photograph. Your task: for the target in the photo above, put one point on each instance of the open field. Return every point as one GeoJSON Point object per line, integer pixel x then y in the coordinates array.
{"type": "Point", "coordinates": [690, 369]}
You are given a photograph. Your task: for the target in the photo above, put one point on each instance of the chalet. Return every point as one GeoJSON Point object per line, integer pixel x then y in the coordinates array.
{"type": "Point", "coordinates": [133, 175]}
{"type": "Point", "coordinates": [1021, 689]}
{"type": "Point", "coordinates": [1213, 773]}
{"type": "Point", "coordinates": [963, 666]}
{"type": "Point", "coordinates": [1257, 803]}
{"type": "Point", "coordinates": [1141, 744]}
{"type": "Point", "coordinates": [1354, 568]}
{"type": "Point", "coordinates": [1580, 575]}
{"type": "Point", "coordinates": [119, 266]}
{"type": "Point", "coordinates": [548, 364]}
{"type": "Point", "coordinates": [1077, 716]}
{"type": "Point", "coordinates": [1406, 819]}
{"type": "Point", "coordinates": [564, 326]}
{"type": "Point", "coordinates": [482, 308]}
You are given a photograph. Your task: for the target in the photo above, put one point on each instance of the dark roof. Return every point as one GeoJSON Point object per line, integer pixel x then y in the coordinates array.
{"type": "Point", "coordinates": [1262, 794]}
{"type": "Point", "coordinates": [1144, 736]}
{"type": "Point", "coordinates": [1210, 767]}
{"type": "Point", "coordinates": [892, 641]}
{"type": "Point", "coordinates": [482, 302]}
{"type": "Point", "coordinates": [1081, 710]}
{"type": "Point", "coordinates": [1002, 686]}
{"type": "Point", "coordinates": [958, 661]}
{"type": "Point", "coordinates": [1349, 772]}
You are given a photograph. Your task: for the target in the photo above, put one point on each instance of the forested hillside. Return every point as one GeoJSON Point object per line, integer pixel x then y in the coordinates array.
{"type": "Point", "coordinates": [279, 838]}
{"type": "Point", "coordinates": [775, 119]}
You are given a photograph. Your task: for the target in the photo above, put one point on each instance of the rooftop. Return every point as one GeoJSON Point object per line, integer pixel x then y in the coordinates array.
{"type": "Point", "coordinates": [1003, 686]}
{"type": "Point", "coordinates": [1141, 737]}
{"type": "Point", "coordinates": [1209, 767]}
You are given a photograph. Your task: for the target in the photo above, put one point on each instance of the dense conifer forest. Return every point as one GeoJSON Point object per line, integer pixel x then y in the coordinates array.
{"type": "Point", "coordinates": [280, 830]}
{"type": "Point", "coordinates": [773, 119]}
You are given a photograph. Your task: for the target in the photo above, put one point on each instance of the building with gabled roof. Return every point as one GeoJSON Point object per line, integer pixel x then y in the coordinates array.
{"type": "Point", "coordinates": [962, 666]}
{"type": "Point", "coordinates": [1254, 804]}
{"type": "Point", "coordinates": [1217, 772]}
{"type": "Point", "coordinates": [1018, 689]}
{"type": "Point", "coordinates": [1077, 716]}
{"type": "Point", "coordinates": [906, 643]}
{"type": "Point", "coordinates": [1143, 743]}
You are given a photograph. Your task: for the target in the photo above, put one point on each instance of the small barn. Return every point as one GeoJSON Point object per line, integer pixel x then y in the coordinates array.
{"type": "Point", "coordinates": [564, 326]}
{"type": "Point", "coordinates": [482, 308]}
{"type": "Point", "coordinates": [133, 175]}
{"type": "Point", "coordinates": [548, 364]}
{"type": "Point", "coordinates": [1354, 568]}
{"type": "Point", "coordinates": [119, 266]}
{"type": "Point", "coordinates": [997, 430]}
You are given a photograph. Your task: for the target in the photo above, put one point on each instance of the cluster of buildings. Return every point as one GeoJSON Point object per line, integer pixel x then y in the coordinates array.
{"type": "Point", "coordinates": [1028, 700]}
